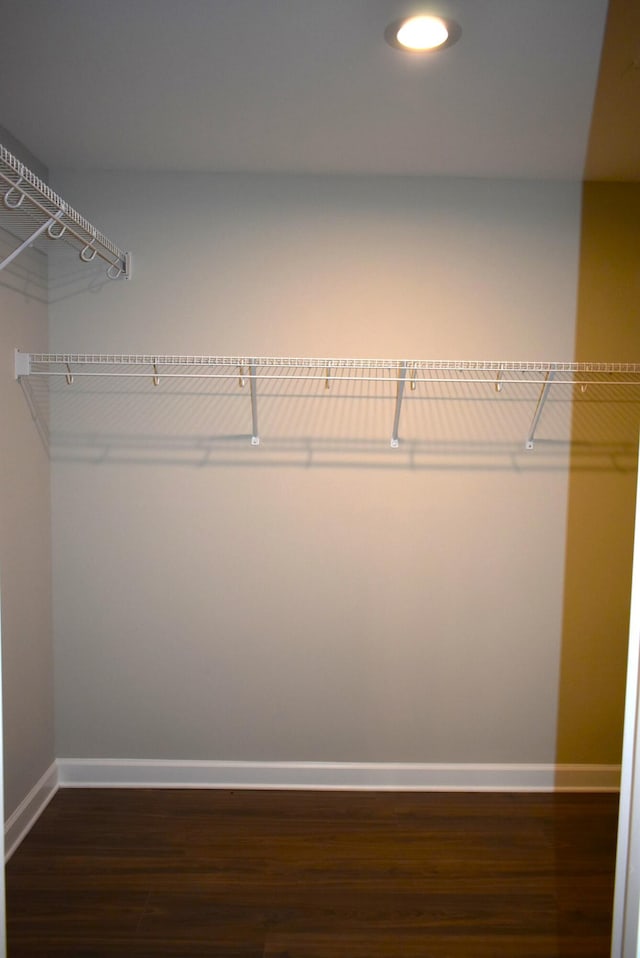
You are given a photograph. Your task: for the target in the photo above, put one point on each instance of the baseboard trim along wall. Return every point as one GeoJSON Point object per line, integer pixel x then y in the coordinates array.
{"type": "Point", "coordinates": [22, 820]}
{"type": "Point", "coordinates": [357, 776]}
{"type": "Point", "coordinates": [152, 773]}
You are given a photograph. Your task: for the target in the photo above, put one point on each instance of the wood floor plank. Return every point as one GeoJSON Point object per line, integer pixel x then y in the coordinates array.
{"type": "Point", "coordinates": [245, 874]}
{"type": "Point", "coordinates": [412, 945]}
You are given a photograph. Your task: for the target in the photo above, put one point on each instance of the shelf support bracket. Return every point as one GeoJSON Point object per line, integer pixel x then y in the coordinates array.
{"type": "Point", "coordinates": [402, 376]}
{"type": "Point", "coordinates": [542, 398]}
{"type": "Point", "coordinates": [253, 387]}
{"type": "Point", "coordinates": [31, 239]}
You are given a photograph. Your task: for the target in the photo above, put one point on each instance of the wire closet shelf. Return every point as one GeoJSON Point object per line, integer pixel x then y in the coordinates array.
{"type": "Point", "coordinates": [24, 193]}
{"type": "Point", "coordinates": [400, 373]}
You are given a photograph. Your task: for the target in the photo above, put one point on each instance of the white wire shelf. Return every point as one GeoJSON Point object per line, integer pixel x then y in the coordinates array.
{"type": "Point", "coordinates": [49, 360]}
{"type": "Point", "coordinates": [398, 373]}
{"type": "Point", "coordinates": [25, 193]}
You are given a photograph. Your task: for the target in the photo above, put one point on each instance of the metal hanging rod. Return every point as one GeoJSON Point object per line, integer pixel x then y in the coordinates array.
{"type": "Point", "coordinates": [25, 193]}
{"type": "Point", "coordinates": [255, 369]}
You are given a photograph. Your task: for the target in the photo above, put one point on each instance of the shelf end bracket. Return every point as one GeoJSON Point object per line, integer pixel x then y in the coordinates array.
{"type": "Point", "coordinates": [22, 363]}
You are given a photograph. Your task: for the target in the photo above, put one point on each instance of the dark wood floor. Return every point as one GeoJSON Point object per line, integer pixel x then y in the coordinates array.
{"type": "Point", "coordinates": [237, 874]}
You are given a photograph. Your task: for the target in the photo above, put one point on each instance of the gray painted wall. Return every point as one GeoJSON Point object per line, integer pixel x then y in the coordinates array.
{"type": "Point", "coordinates": [322, 597]}
{"type": "Point", "coordinates": [19, 150]}
{"type": "Point", "coordinates": [25, 536]}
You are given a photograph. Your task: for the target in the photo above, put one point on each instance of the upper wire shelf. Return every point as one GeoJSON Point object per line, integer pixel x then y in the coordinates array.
{"type": "Point", "coordinates": [400, 373]}
{"type": "Point", "coordinates": [314, 367]}
{"type": "Point", "coordinates": [25, 193]}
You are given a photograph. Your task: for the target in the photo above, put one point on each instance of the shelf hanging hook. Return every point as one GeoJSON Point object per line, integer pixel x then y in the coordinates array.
{"type": "Point", "coordinates": [110, 273]}
{"type": "Point", "coordinates": [327, 378]}
{"type": "Point", "coordinates": [89, 252]}
{"type": "Point", "coordinates": [156, 377]}
{"type": "Point", "coordinates": [14, 189]}
{"type": "Point", "coordinates": [69, 375]}
{"type": "Point", "coordinates": [412, 379]}
{"type": "Point", "coordinates": [242, 382]}
{"type": "Point", "coordinates": [51, 232]}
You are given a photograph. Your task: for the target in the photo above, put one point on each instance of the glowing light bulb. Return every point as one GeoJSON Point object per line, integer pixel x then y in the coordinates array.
{"type": "Point", "coordinates": [422, 33]}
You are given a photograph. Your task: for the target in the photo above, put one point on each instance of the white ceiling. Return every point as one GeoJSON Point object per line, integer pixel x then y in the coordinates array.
{"type": "Point", "coordinates": [300, 86]}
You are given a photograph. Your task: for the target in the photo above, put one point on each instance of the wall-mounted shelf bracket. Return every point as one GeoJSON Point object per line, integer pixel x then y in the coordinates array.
{"type": "Point", "coordinates": [402, 378]}
{"type": "Point", "coordinates": [26, 194]}
{"type": "Point", "coordinates": [44, 227]}
{"type": "Point", "coordinates": [255, 438]}
{"type": "Point", "coordinates": [542, 398]}
{"type": "Point", "coordinates": [22, 363]}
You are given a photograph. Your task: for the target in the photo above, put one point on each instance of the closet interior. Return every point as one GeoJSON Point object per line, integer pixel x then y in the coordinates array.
{"type": "Point", "coordinates": [243, 553]}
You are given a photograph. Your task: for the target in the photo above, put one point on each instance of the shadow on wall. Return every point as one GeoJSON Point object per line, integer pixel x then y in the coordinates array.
{"type": "Point", "coordinates": [601, 503]}
{"type": "Point", "coordinates": [302, 423]}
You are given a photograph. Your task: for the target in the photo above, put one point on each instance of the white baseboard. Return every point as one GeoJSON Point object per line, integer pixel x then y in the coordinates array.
{"type": "Point", "coordinates": [329, 776]}
{"type": "Point", "coordinates": [374, 776]}
{"type": "Point", "coordinates": [587, 778]}
{"type": "Point", "coordinates": [29, 810]}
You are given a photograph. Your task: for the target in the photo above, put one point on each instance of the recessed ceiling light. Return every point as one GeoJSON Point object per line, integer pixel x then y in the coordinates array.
{"type": "Point", "coordinates": [422, 34]}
